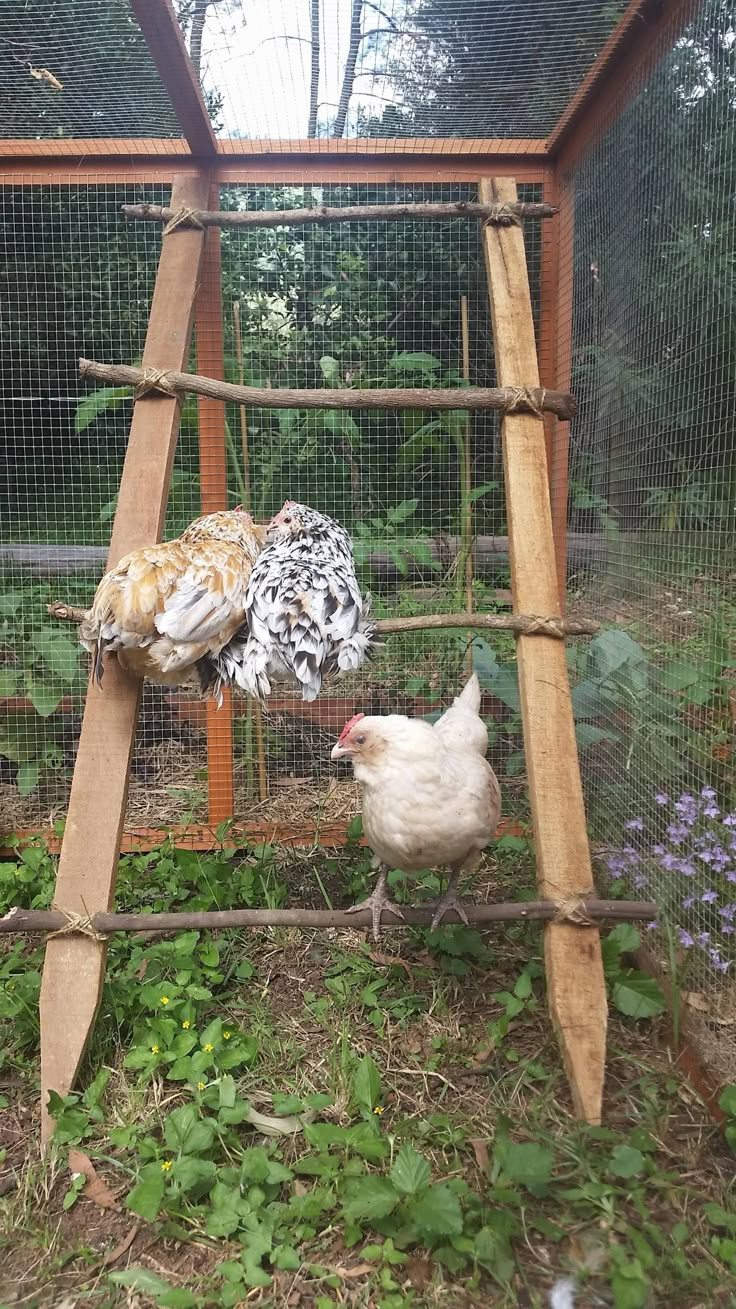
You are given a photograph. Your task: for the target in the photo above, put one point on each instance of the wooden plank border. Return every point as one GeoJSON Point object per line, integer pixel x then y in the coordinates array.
{"type": "Point", "coordinates": [575, 983]}
{"type": "Point", "coordinates": [74, 966]}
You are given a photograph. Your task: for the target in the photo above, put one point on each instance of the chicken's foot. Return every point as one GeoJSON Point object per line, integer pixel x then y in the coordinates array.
{"type": "Point", "coordinates": [377, 902]}
{"type": "Point", "coordinates": [449, 901]}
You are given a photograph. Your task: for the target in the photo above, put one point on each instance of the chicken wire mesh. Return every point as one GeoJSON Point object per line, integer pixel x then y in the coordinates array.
{"type": "Point", "coordinates": [374, 304]}
{"type": "Point", "coordinates": [652, 477]}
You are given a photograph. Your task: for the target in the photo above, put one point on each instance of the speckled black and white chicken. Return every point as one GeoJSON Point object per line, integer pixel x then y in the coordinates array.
{"type": "Point", "coordinates": [305, 617]}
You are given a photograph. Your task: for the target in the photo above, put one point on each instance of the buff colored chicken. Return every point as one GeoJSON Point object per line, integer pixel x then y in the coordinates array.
{"type": "Point", "coordinates": [165, 609]}
{"type": "Point", "coordinates": [430, 799]}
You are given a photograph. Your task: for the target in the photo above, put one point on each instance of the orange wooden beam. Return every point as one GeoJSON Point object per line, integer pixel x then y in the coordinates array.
{"type": "Point", "coordinates": [646, 30]}
{"type": "Point", "coordinates": [213, 479]}
{"type": "Point", "coordinates": [160, 27]}
{"type": "Point", "coordinates": [563, 325]}
{"type": "Point", "coordinates": [242, 147]}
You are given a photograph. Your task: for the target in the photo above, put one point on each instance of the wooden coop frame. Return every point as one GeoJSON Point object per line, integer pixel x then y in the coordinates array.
{"type": "Point", "coordinates": [535, 444]}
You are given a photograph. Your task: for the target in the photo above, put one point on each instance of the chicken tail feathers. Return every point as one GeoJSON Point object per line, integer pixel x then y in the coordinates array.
{"type": "Point", "coordinates": [469, 697]}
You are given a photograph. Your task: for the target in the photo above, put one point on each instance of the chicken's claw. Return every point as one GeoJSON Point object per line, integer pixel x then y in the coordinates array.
{"type": "Point", "coordinates": [377, 902]}
{"type": "Point", "coordinates": [449, 901]}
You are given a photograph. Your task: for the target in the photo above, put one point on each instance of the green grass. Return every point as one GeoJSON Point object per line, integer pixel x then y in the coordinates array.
{"type": "Point", "coordinates": [426, 1153]}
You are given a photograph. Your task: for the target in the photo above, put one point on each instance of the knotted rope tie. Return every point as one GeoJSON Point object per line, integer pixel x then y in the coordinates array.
{"type": "Point", "coordinates": [154, 379]}
{"type": "Point", "coordinates": [503, 215]}
{"type": "Point", "coordinates": [184, 217]}
{"type": "Point", "coordinates": [529, 399]}
{"type": "Point", "coordinates": [572, 910]}
{"type": "Point", "coordinates": [537, 625]}
{"type": "Point", "coordinates": [76, 925]}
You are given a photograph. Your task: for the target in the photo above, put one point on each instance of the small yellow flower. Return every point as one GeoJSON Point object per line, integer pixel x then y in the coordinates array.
{"type": "Point", "coordinates": [201, 1086]}
{"type": "Point", "coordinates": [226, 1036]}
{"type": "Point", "coordinates": [378, 1109]}
{"type": "Point", "coordinates": [166, 1165]}
{"type": "Point", "coordinates": [186, 1024]}
{"type": "Point", "coordinates": [208, 1048]}
{"type": "Point", "coordinates": [164, 999]}
{"type": "Point", "coordinates": [154, 1049]}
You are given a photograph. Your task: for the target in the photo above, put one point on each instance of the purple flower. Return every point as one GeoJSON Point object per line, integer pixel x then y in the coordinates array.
{"type": "Point", "coordinates": [728, 911]}
{"type": "Point", "coordinates": [703, 937]}
{"type": "Point", "coordinates": [729, 820]}
{"type": "Point", "coordinates": [676, 833]}
{"type": "Point", "coordinates": [708, 793]}
{"type": "Point", "coordinates": [706, 856]}
{"type": "Point", "coordinates": [661, 798]}
{"type": "Point", "coordinates": [685, 867]}
{"type": "Point", "coordinates": [711, 811]}
{"type": "Point", "coordinates": [731, 877]}
{"type": "Point", "coordinates": [652, 927]}
{"type": "Point", "coordinates": [727, 930]}
{"type": "Point", "coordinates": [634, 825]}
{"type": "Point", "coordinates": [688, 902]}
{"type": "Point", "coordinates": [639, 881]}
{"type": "Point", "coordinates": [685, 938]}
{"type": "Point", "coordinates": [709, 896]}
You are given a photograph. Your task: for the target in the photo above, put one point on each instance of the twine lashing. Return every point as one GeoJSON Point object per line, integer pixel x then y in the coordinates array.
{"type": "Point", "coordinates": [572, 910]}
{"type": "Point", "coordinates": [184, 217]}
{"type": "Point", "coordinates": [526, 399]}
{"type": "Point", "coordinates": [154, 379]}
{"type": "Point", "coordinates": [76, 925]}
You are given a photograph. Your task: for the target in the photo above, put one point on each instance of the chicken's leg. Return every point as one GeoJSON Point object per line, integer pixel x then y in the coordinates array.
{"type": "Point", "coordinates": [449, 900]}
{"type": "Point", "coordinates": [377, 902]}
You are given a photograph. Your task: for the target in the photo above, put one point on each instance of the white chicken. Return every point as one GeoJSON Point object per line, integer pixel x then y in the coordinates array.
{"type": "Point", "coordinates": [304, 614]}
{"type": "Point", "coordinates": [430, 799]}
{"type": "Point", "coordinates": [165, 609]}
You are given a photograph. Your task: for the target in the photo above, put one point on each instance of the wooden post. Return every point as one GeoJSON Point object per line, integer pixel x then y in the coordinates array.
{"type": "Point", "coordinates": [575, 981]}
{"type": "Point", "coordinates": [213, 477]}
{"type": "Point", "coordinates": [75, 965]}
{"type": "Point", "coordinates": [550, 239]}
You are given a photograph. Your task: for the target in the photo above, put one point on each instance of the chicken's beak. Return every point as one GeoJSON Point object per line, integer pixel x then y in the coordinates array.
{"type": "Point", "coordinates": [339, 751]}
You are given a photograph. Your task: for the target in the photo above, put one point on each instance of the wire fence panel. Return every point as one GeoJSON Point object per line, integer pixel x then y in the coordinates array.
{"type": "Point", "coordinates": [653, 474]}
{"type": "Point", "coordinates": [371, 304]}
{"type": "Point", "coordinates": [78, 69]}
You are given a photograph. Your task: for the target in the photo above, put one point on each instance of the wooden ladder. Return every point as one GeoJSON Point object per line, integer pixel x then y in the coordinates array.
{"type": "Point", "coordinates": [75, 962]}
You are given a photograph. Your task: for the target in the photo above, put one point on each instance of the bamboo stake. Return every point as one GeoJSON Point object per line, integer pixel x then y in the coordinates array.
{"type": "Point", "coordinates": [255, 714]}
{"type": "Point", "coordinates": [576, 911]}
{"type": "Point", "coordinates": [575, 983]}
{"type": "Point", "coordinates": [184, 217]}
{"type": "Point", "coordinates": [467, 526]}
{"type": "Point", "coordinates": [158, 382]}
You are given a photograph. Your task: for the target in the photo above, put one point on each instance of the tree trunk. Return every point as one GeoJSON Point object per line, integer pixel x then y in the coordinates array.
{"type": "Point", "coordinates": [314, 82]}
{"type": "Point", "coordinates": [350, 62]}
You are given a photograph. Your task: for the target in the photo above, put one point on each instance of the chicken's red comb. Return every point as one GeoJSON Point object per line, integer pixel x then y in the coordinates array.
{"type": "Point", "coordinates": [347, 729]}
{"type": "Point", "coordinates": [238, 509]}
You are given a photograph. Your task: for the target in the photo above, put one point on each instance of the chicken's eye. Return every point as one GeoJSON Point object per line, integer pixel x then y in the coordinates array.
{"type": "Point", "coordinates": [360, 740]}
{"type": "Point", "coordinates": [288, 518]}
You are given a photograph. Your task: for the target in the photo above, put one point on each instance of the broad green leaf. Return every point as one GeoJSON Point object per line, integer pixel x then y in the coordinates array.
{"type": "Point", "coordinates": [367, 1084]}
{"type": "Point", "coordinates": [587, 734]}
{"type": "Point", "coordinates": [727, 1101]}
{"type": "Point", "coordinates": [99, 402]}
{"type": "Point", "coordinates": [212, 1035]}
{"type": "Point", "coordinates": [437, 1212]}
{"type": "Point", "coordinates": [417, 361]}
{"type": "Point", "coordinates": [623, 939]}
{"type": "Point", "coordinates": [8, 681]}
{"type": "Point", "coordinates": [614, 648]}
{"type": "Point", "coordinates": [178, 1298]}
{"type": "Point", "coordinates": [141, 1279]}
{"type": "Point", "coordinates": [679, 675]}
{"type": "Point", "coordinates": [61, 654]}
{"type": "Point", "coordinates": [185, 1131]}
{"type": "Point", "coordinates": [227, 1092]}
{"type": "Point", "coordinates": [330, 370]}
{"type": "Point", "coordinates": [626, 1161]}
{"type": "Point", "coordinates": [44, 697]}
{"type": "Point", "coordinates": [191, 1172]}
{"type": "Point", "coordinates": [479, 491]}
{"type": "Point", "coordinates": [369, 1198]}
{"type": "Point", "coordinates": [411, 1172]}
{"type": "Point", "coordinates": [638, 996]}
{"type": "Point", "coordinates": [493, 1251]}
{"type": "Point", "coordinates": [147, 1196]}
{"type": "Point", "coordinates": [527, 1164]}
{"type": "Point", "coordinates": [27, 777]}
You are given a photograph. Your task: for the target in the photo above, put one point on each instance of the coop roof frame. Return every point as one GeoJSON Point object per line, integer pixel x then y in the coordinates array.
{"type": "Point", "coordinates": [628, 53]}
